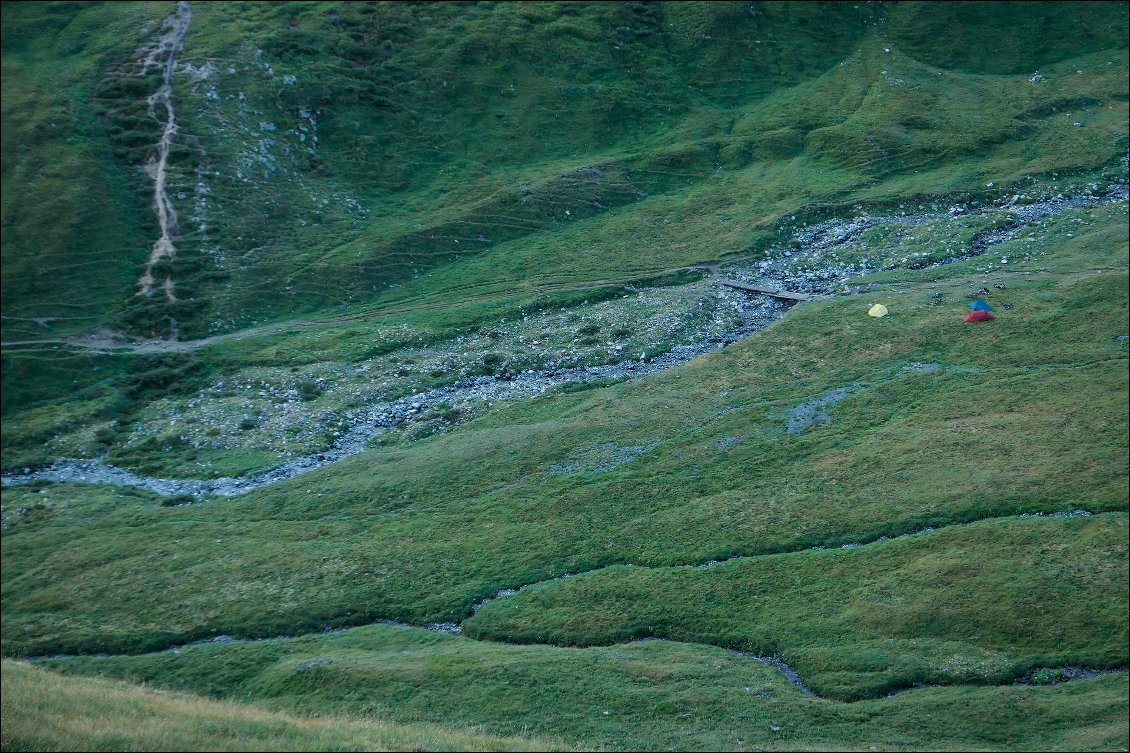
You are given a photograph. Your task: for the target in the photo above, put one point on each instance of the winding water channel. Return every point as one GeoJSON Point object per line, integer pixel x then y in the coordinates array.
{"type": "Point", "coordinates": [367, 422]}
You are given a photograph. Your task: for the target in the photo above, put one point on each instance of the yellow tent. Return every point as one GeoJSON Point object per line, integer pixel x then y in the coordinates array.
{"type": "Point", "coordinates": [877, 310]}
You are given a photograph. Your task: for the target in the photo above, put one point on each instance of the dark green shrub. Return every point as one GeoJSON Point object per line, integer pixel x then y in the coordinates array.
{"type": "Point", "coordinates": [308, 389]}
{"type": "Point", "coordinates": [492, 362]}
{"type": "Point", "coordinates": [105, 435]}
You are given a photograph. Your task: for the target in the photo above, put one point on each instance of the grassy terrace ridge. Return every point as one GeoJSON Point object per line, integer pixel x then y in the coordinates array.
{"type": "Point", "coordinates": [45, 711]}
{"type": "Point", "coordinates": [649, 695]}
{"type": "Point", "coordinates": [929, 608]}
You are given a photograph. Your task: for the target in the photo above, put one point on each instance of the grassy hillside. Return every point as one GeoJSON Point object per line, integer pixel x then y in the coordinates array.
{"type": "Point", "coordinates": [331, 154]}
{"type": "Point", "coordinates": [1027, 415]}
{"type": "Point", "coordinates": [74, 234]}
{"type": "Point", "coordinates": [650, 695]}
{"type": "Point", "coordinates": [858, 624]}
{"type": "Point", "coordinates": [43, 711]}
{"type": "Point", "coordinates": [923, 521]}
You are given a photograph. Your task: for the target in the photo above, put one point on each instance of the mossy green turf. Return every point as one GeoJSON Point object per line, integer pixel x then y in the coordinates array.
{"type": "Point", "coordinates": [714, 131]}
{"type": "Point", "coordinates": [651, 695]}
{"type": "Point", "coordinates": [930, 608]}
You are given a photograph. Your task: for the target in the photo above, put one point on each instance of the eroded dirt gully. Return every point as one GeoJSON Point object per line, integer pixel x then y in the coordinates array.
{"type": "Point", "coordinates": [164, 54]}
{"type": "Point", "coordinates": [756, 312]}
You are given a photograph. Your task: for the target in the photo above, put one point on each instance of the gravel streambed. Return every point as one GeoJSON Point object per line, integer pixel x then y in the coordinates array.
{"type": "Point", "coordinates": [814, 269]}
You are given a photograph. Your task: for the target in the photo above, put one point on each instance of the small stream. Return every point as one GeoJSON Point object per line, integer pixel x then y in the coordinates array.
{"type": "Point", "coordinates": [756, 313]}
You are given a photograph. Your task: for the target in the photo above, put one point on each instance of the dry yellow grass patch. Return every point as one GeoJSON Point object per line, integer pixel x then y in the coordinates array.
{"type": "Point", "coordinates": [43, 710]}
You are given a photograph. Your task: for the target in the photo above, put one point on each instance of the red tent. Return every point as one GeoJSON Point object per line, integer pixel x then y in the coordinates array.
{"type": "Point", "coordinates": [979, 316]}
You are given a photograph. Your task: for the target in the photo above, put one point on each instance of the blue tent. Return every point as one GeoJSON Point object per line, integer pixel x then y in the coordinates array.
{"type": "Point", "coordinates": [980, 305]}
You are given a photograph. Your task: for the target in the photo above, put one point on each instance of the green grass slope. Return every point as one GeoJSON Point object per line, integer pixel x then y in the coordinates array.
{"type": "Point", "coordinates": [45, 711]}
{"type": "Point", "coordinates": [1026, 415]}
{"type": "Point", "coordinates": [649, 695]}
{"type": "Point", "coordinates": [74, 236]}
{"type": "Point", "coordinates": [376, 199]}
{"type": "Point", "coordinates": [939, 610]}
{"type": "Point", "coordinates": [340, 152]}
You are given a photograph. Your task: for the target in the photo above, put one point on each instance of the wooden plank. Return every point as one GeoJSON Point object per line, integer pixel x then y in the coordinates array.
{"type": "Point", "coordinates": [788, 295]}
